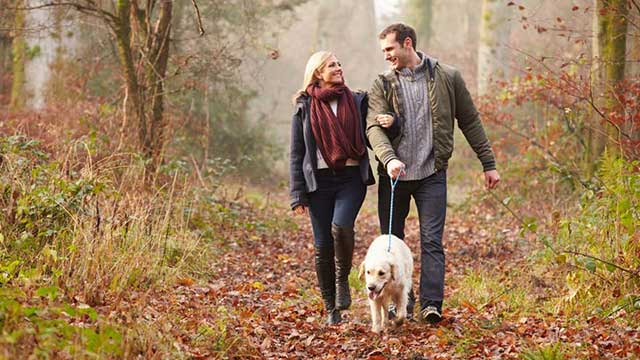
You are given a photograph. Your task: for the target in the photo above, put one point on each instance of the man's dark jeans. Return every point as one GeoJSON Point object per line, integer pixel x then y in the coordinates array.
{"type": "Point", "coordinates": [430, 195]}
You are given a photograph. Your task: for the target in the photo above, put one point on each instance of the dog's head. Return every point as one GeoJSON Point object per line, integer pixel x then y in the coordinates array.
{"type": "Point", "coordinates": [377, 274]}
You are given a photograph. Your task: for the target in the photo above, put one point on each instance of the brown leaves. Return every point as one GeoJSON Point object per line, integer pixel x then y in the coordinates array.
{"type": "Point", "coordinates": [520, 7]}
{"type": "Point", "coordinates": [273, 54]}
{"type": "Point", "coordinates": [185, 281]}
{"type": "Point", "coordinates": [540, 29]}
{"type": "Point", "coordinates": [262, 302]}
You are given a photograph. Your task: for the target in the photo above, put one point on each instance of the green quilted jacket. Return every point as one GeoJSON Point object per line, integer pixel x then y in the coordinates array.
{"type": "Point", "coordinates": [448, 98]}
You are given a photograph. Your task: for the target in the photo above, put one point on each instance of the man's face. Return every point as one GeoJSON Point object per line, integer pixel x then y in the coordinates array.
{"type": "Point", "coordinates": [394, 53]}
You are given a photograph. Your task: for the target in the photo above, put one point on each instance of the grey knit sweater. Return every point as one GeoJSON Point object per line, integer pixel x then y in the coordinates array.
{"type": "Point", "coordinates": [416, 146]}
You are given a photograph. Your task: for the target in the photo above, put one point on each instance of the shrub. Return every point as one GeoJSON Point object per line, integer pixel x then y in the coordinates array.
{"type": "Point", "coordinates": [601, 241]}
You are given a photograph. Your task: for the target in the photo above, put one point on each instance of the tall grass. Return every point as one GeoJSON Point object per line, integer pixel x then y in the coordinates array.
{"type": "Point", "coordinates": [598, 245]}
{"type": "Point", "coordinates": [80, 232]}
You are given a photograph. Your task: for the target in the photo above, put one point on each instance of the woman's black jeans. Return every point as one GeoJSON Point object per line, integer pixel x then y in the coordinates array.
{"type": "Point", "coordinates": [338, 200]}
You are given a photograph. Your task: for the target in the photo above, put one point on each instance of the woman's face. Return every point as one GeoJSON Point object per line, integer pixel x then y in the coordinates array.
{"type": "Point", "coordinates": [331, 72]}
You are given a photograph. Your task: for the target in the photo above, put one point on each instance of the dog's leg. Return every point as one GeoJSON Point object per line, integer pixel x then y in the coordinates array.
{"type": "Point", "coordinates": [384, 314]}
{"type": "Point", "coordinates": [375, 316]}
{"type": "Point", "coordinates": [401, 300]}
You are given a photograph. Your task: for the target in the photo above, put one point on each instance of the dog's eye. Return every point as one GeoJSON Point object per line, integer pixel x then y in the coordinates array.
{"type": "Point", "coordinates": [381, 273]}
{"type": "Point", "coordinates": [369, 272]}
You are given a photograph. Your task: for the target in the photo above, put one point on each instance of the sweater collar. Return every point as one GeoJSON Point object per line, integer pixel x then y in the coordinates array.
{"type": "Point", "coordinates": [425, 67]}
{"type": "Point", "coordinates": [418, 70]}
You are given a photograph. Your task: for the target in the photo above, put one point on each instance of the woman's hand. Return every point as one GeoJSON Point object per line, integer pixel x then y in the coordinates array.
{"type": "Point", "coordinates": [384, 120]}
{"type": "Point", "coordinates": [300, 210]}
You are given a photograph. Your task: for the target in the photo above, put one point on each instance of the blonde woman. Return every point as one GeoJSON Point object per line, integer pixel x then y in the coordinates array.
{"type": "Point", "coordinates": [329, 172]}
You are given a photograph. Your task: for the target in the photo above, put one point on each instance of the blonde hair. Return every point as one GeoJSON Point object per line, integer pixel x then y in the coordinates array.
{"type": "Point", "coordinates": [316, 62]}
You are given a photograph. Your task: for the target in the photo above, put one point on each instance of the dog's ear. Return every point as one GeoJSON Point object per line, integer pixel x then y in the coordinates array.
{"type": "Point", "coordinates": [361, 271]}
{"type": "Point", "coordinates": [393, 272]}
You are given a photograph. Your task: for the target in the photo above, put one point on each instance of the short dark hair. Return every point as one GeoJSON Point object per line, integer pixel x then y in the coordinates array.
{"type": "Point", "coordinates": [402, 32]}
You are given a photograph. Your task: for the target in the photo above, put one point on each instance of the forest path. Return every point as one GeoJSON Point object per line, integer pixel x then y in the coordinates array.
{"type": "Point", "coordinates": [263, 302]}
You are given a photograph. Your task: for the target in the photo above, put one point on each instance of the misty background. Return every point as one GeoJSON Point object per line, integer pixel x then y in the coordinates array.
{"type": "Point", "coordinates": [144, 161]}
{"type": "Point", "coordinates": [229, 97]}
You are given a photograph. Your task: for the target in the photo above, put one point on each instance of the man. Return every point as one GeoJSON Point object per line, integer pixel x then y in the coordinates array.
{"type": "Point", "coordinates": [412, 107]}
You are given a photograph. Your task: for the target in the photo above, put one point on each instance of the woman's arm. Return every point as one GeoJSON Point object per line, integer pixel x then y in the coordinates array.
{"type": "Point", "coordinates": [297, 187]}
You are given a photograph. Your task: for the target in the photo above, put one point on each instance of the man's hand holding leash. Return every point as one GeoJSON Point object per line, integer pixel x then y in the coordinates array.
{"type": "Point", "coordinates": [395, 168]}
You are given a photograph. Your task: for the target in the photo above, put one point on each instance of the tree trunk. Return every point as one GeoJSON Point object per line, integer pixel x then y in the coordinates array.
{"type": "Point", "coordinates": [134, 106]}
{"type": "Point", "coordinates": [419, 16]}
{"type": "Point", "coordinates": [495, 30]}
{"type": "Point", "coordinates": [5, 61]}
{"type": "Point", "coordinates": [143, 53]}
{"type": "Point", "coordinates": [608, 67]}
{"type": "Point", "coordinates": [6, 23]}
{"type": "Point", "coordinates": [156, 72]}
{"type": "Point", "coordinates": [612, 32]}
{"type": "Point", "coordinates": [633, 44]}
{"type": "Point", "coordinates": [19, 54]}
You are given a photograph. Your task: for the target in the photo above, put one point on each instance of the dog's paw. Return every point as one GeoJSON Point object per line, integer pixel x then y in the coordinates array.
{"type": "Point", "coordinates": [397, 322]}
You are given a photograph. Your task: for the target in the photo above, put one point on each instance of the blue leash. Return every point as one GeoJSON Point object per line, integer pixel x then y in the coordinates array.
{"type": "Point", "coordinates": [393, 187]}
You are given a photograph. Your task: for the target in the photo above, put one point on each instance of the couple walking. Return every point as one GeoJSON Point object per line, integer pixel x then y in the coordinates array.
{"type": "Point", "coordinates": [407, 118]}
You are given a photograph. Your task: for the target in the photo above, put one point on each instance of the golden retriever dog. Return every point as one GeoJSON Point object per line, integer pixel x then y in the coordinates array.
{"type": "Point", "coordinates": [387, 271]}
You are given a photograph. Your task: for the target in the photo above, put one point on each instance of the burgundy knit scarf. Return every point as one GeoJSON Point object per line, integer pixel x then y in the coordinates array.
{"type": "Point", "coordinates": [338, 137]}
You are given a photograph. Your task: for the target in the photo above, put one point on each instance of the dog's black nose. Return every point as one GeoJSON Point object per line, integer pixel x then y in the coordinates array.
{"type": "Point", "coordinates": [371, 287]}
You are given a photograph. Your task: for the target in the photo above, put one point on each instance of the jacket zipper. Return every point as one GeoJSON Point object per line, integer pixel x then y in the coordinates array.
{"type": "Point", "coordinates": [430, 87]}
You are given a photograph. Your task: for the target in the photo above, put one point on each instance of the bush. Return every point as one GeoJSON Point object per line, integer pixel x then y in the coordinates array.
{"type": "Point", "coordinates": [39, 200]}
{"type": "Point", "coordinates": [583, 207]}
{"type": "Point", "coordinates": [85, 234]}
{"type": "Point", "coordinates": [601, 242]}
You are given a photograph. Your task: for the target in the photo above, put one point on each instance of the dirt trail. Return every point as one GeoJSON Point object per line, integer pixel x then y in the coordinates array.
{"type": "Point", "coordinates": [264, 299]}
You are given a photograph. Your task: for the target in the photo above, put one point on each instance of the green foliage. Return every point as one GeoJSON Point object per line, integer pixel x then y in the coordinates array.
{"type": "Point", "coordinates": [44, 328]}
{"type": "Point", "coordinates": [8, 271]}
{"type": "Point", "coordinates": [238, 142]}
{"type": "Point", "coordinates": [78, 233]}
{"type": "Point", "coordinates": [587, 220]}
{"type": "Point", "coordinates": [40, 199]}
{"type": "Point", "coordinates": [602, 240]}
{"type": "Point", "coordinates": [479, 289]}
{"type": "Point", "coordinates": [235, 138]}
{"type": "Point", "coordinates": [548, 352]}
{"type": "Point", "coordinates": [354, 281]}
{"type": "Point", "coordinates": [223, 337]}
{"type": "Point", "coordinates": [33, 52]}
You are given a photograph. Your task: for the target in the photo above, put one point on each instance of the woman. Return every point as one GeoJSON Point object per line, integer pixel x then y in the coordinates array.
{"type": "Point", "coordinates": [329, 172]}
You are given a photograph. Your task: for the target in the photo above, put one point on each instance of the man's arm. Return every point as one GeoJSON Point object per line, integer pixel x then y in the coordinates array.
{"type": "Point", "coordinates": [376, 134]}
{"type": "Point", "coordinates": [470, 124]}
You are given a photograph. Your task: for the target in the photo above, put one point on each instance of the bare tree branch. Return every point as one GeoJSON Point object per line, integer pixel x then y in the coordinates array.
{"type": "Point", "coordinates": [547, 155]}
{"type": "Point", "coordinates": [634, 273]}
{"type": "Point", "coordinates": [589, 99]}
{"type": "Point", "coordinates": [89, 10]}
{"type": "Point", "coordinates": [200, 27]}
{"type": "Point", "coordinates": [636, 5]}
